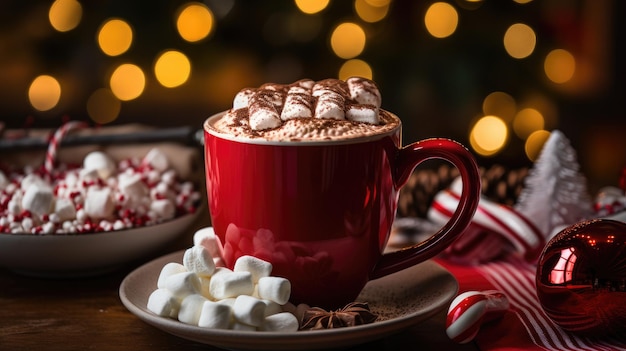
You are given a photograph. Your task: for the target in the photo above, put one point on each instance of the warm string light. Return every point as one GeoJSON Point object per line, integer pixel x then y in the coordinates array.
{"type": "Point", "coordinates": [195, 22]}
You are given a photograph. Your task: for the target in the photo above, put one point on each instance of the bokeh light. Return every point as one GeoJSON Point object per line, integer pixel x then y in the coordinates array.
{"type": "Point", "coordinates": [115, 37]}
{"type": "Point", "coordinates": [127, 82]}
{"type": "Point", "coordinates": [500, 104]}
{"type": "Point", "coordinates": [489, 135]}
{"type": "Point", "coordinates": [311, 6]}
{"type": "Point", "coordinates": [441, 20]}
{"type": "Point", "coordinates": [103, 107]}
{"type": "Point", "coordinates": [195, 22]}
{"type": "Point", "coordinates": [520, 40]}
{"type": "Point", "coordinates": [546, 106]}
{"type": "Point", "coordinates": [65, 15]}
{"type": "Point", "coordinates": [44, 93]}
{"type": "Point", "coordinates": [559, 66]}
{"type": "Point", "coordinates": [355, 67]}
{"type": "Point", "coordinates": [527, 121]}
{"type": "Point", "coordinates": [371, 10]}
{"type": "Point", "coordinates": [348, 40]}
{"type": "Point", "coordinates": [172, 68]}
{"type": "Point", "coordinates": [534, 144]}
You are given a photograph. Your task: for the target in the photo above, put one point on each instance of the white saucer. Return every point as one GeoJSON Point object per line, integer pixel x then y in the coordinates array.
{"type": "Point", "coordinates": [401, 300]}
{"type": "Point", "coordinates": [89, 254]}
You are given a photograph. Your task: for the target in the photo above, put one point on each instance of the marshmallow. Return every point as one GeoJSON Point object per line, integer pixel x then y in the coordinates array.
{"type": "Point", "coordinates": [191, 308]}
{"type": "Point", "coordinates": [257, 267]}
{"type": "Point", "coordinates": [363, 113]}
{"type": "Point", "coordinates": [364, 91]}
{"type": "Point", "coordinates": [330, 105]}
{"type": "Point", "coordinates": [242, 98]}
{"type": "Point", "coordinates": [275, 289]}
{"type": "Point", "coordinates": [215, 315]}
{"type": "Point", "coordinates": [99, 162]}
{"type": "Point", "coordinates": [249, 310]}
{"type": "Point", "coordinates": [205, 283]}
{"type": "Point", "coordinates": [163, 303]}
{"type": "Point", "coordinates": [64, 209]}
{"type": "Point", "coordinates": [221, 270]}
{"type": "Point", "coordinates": [197, 259]}
{"type": "Point", "coordinates": [163, 209]}
{"type": "Point", "coordinates": [169, 177]}
{"type": "Point", "coordinates": [183, 284]}
{"type": "Point", "coordinates": [305, 83]}
{"type": "Point", "coordinates": [262, 111]}
{"type": "Point", "coordinates": [162, 191]}
{"type": "Point", "coordinates": [31, 179]}
{"type": "Point", "coordinates": [48, 228]}
{"type": "Point", "coordinates": [206, 237]}
{"type": "Point", "coordinates": [88, 175]}
{"type": "Point", "coordinates": [99, 203]}
{"type": "Point", "coordinates": [231, 285]}
{"type": "Point", "coordinates": [272, 307]}
{"type": "Point", "coordinates": [228, 302]}
{"type": "Point", "coordinates": [168, 270]}
{"type": "Point", "coordinates": [280, 322]}
{"type": "Point", "coordinates": [298, 104]}
{"type": "Point", "coordinates": [38, 199]}
{"type": "Point", "coordinates": [81, 216]}
{"type": "Point", "coordinates": [27, 224]}
{"type": "Point", "coordinates": [14, 207]}
{"type": "Point", "coordinates": [157, 160]}
{"type": "Point", "coordinates": [333, 85]}
{"type": "Point", "coordinates": [131, 185]}
{"type": "Point", "coordinates": [71, 179]}
{"type": "Point", "coordinates": [219, 262]}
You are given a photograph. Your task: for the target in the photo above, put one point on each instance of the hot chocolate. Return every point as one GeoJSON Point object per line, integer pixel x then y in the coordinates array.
{"type": "Point", "coordinates": [307, 110]}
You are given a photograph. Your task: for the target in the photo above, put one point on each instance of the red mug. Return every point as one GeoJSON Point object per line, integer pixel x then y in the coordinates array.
{"type": "Point", "coordinates": [321, 212]}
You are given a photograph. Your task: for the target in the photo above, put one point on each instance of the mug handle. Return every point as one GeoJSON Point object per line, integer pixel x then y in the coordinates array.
{"type": "Point", "coordinates": [407, 159]}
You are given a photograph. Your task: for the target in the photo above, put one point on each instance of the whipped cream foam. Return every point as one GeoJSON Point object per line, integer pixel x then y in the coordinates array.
{"type": "Point", "coordinates": [329, 109]}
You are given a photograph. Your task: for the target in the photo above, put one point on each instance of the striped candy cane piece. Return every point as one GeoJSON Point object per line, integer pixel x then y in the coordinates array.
{"type": "Point", "coordinates": [469, 310]}
{"type": "Point", "coordinates": [58, 135]}
{"type": "Point", "coordinates": [492, 223]}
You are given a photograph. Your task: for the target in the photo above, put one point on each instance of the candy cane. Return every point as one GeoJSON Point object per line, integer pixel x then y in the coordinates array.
{"type": "Point", "coordinates": [51, 154]}
{"type": "Point", "coordinates": [469, 310]}
{"type": "Point", "coordinates": [490, 218]}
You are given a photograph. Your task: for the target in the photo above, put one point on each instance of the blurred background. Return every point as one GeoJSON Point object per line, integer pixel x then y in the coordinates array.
{"type": "Point", "coordinates": [496, 75]}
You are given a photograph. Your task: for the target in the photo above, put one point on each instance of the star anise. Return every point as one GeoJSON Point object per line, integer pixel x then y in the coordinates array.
{"type": "Point", "coordinates": [354, 313]}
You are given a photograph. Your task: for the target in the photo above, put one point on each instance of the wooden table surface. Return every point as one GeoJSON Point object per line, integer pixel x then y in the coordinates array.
{"type": "Point", "coordinates": [87, 314]}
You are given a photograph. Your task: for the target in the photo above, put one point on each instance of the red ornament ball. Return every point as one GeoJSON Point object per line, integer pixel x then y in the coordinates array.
{"type": "Point", "coordinates": [581, 278]}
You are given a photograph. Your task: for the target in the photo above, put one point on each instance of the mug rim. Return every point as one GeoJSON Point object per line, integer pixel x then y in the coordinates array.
{"type": "Point", "coordinates": [208, 128]}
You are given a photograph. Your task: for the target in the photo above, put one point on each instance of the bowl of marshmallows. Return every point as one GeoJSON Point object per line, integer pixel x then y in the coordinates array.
{"type": "Point", "coordinates": [94, 214]}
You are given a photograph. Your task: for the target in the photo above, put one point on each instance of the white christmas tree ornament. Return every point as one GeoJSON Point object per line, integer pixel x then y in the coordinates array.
{"type": "Point", "coordinates": [555, 193]}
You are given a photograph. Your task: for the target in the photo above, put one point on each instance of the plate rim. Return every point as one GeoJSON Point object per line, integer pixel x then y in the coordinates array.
{"type": "Point", "coordinates": [304, 340]}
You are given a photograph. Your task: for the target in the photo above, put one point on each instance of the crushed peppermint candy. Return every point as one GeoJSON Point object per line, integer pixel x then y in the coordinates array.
{"type": "Point", "coordinates": [99, 195]}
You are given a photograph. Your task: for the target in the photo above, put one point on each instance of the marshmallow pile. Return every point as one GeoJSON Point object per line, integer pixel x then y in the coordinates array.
{"type": "Point", "coordinates": [356, 99]}
{"type": "Point", "coordinates": [203, 292]}
{"type": "Point", "coordinates": [102, 195]}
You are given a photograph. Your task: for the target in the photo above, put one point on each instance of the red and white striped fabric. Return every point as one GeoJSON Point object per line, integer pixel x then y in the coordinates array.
{"type": "Point", "coordinates": [495, 230]}
{"type": "Point", "coordinates": [525, 326]}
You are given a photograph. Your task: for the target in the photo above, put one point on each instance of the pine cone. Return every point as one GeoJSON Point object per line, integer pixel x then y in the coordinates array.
{"type": "Point", "coordinates": [421, 188]}
{"type": "Point", "coordinates": [498, 184]}
{"type": "Point", "coordinates": [501, 185]}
